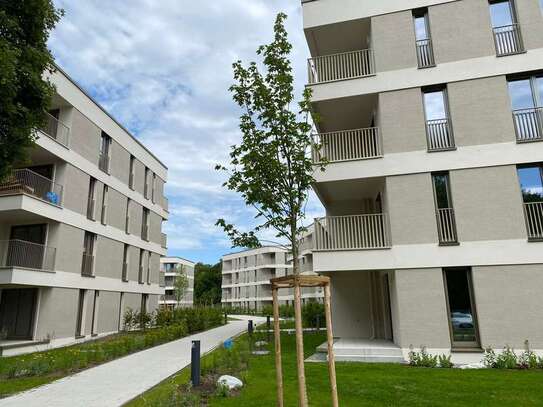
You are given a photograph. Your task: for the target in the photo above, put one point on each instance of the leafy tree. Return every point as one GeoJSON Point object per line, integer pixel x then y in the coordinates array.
{"type": "Point", "coordinates": [180, 283]}
{"type": "Point", "coordinates": [24, 93]}
{"type": "Point", "coordinates": [271, 168]}
{"type": "Point", "coordinates": [207, 284]}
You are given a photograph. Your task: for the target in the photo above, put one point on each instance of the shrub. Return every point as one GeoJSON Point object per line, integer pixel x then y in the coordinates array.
{"type": "Point", "coordinates": [267, 310]}
{"type": "Point", "coordinates": [445, 361]}
{"type": "Point", "coordinates": [286, 311]}
{"type": "Point", "coordinates": [528, 359]}
{"type": "Point", "coordinates": [422, 358]}
{"type": "Point", "coordinates": [311, 312]}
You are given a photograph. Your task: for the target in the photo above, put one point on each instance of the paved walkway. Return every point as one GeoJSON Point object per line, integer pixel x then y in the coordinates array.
{"type": "Point", "coordinates": [116, 382]}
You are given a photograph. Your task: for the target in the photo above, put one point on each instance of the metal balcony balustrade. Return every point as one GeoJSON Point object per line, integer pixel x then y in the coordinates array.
{"type": "Point", "coordinates": [26, 181]}
{"type": "Point", "coordinates": [533, 213]}
{"type": "Point", "coordinates": [508, 40]}
{"type": "Point", "coordinates": [164, 240]}
{"type": "Point", "coordinates": [103, 162]}
{"type": "Point", "coordinates": [87, 265]}
{"type": "Point", "coordinates": [529, 124]}
{"type": "Point", "coordinates": [56, 130]}
{"type": "Point", "coordinates": [439, 135]}
{"type": "Point", "coordinates": [352, 232]}
{"type": "Point", "coordinates": [346, 145]}
{"type": "Point", "coordinates": [425, 53]}
{"type": "Point", "coordinates": [345, 65]}
{"type": "Point", "coordinates": [446, 226]}
{"type": "Point", "coordinates": [23, 254]}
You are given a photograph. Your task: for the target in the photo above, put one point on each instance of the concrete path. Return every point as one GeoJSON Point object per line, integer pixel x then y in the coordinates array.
{"type": "Point", "coordinates": [119, 381]}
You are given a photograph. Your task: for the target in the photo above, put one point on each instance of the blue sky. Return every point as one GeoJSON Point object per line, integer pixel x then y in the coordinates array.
{"type": "Point", "coordinates": [163, 68]}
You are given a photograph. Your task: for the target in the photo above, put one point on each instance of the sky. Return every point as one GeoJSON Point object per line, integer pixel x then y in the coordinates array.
{"type": "Point", "coordinates": [163, 69]}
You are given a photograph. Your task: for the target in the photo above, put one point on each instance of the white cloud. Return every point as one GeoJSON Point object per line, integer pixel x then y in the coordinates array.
{"type": "Point", "coordinates": [163, 70]}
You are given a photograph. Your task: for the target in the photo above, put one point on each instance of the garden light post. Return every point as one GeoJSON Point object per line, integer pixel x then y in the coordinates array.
{"type": "Point", "coordinates": [195, 364]}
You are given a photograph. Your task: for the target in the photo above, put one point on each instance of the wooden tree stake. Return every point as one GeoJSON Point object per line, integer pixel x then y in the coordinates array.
{"type": "Point", "coordinates": [278, 362]}
{"type": "Point", "coordinates": [330, 340]}
{"type": "Point", "coordinates": [302, 401]}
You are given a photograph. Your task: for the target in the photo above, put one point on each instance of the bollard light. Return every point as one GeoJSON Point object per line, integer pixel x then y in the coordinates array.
{"type": "Point", "coordinates": [195, 364]}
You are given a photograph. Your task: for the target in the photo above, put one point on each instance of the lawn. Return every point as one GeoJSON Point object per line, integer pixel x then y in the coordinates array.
{"type": "Point", "coordinates": [370, 384]}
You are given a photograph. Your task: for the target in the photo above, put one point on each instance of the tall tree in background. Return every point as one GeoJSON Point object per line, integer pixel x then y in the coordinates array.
{"type": "Point", "coordinates": [207, 284]}
{"type": "Point", "coordinates": [271, 168]}
{"type": "Point", "coordinates": [24, 93]}
{"type": "Point", "coordinates": [180, 283]}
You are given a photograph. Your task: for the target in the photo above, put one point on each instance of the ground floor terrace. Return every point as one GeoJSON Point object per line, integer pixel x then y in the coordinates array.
{"type": "Point", "coordinates": [37, 318]}
{"type": "Point", "coordinates": [379, 315]}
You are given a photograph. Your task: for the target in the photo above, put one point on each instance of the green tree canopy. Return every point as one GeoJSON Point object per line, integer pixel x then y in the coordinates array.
{"type": "Point", "coordinates": [207, 284]}
{"type": "Point", "coordinates": [24, 93]}
{"type": "Point", "coordinates": [180, 283]}
{"type": "Point", "coordinates": [271, 168]}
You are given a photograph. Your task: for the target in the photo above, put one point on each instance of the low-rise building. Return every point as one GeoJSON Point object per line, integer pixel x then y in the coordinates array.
{"type": "Point", "coordinates": [80, 228]}
{"type": "Point", "coordinates": [170, 269]}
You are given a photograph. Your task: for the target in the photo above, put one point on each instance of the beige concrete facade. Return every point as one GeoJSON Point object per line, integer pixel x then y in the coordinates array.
{"type": "Point", "coordinates": [410, 263]}
{"type": "Point", "coordinates": [68, 267]}
{"type": "Point", "coordinates": [170, 267]}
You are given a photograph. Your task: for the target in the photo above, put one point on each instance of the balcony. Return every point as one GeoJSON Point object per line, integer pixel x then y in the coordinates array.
{"type": "Point", "coordinates": [23, 254]}
{"type": "Point", "coordinates": [347, 145]}
{"type": "Point", "coordinates": [353, 232]}
{"type": "Point", "coordinates": [56, 130]}
{"type": "Point", "coordinates": [425, 53]}
{"type": "Point", "coordinates": [103, 162]}
{"type": "Point", "coordinates": [439, 135]}
{"type": "Point", "coordinates": [163, 240]}
{"type": "Point", "coordinates": [529, 124]}
{"type": "Point", "coordinates": [446, 226]}
{"type": "Point", "coordinates": [87, 265]}
{"type": "Point", "coordinates": [508, 40]}
{"type": "Point", "coordinates": [345, 65]}
{"type": "Point", "coordinates": [533, 213]}
{"type": "Point", "coordinates": [25, 181]}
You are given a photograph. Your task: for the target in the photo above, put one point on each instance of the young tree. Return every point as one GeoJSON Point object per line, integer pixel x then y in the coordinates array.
{"type": "Point", "coordinates": [24, 93]}
{"type": "Point", "coordinates": [180, 283]}
{"type": "Point", "coordinates": [271, 168]}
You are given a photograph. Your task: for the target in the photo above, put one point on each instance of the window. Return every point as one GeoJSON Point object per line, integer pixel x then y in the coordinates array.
{"type": "Point", "coordinates": [140, 271]}
{"type": "Point", "coordinates": [531, 185]}
{"type": "Point", "coordinates": [527, 103]}
{"type": "Point", "coordinates": [94, 327]}
{"type": "Point", "coordinates": [87, 268]}
{"type": "Point", "coordinates": [79, 328]}
{"type": "Point", "coordinates": [438, 127]}
{"type": "Point", "coordinates": [507, 37]}
{"type": "Point", "coordinates": [103, 160]}
{"type": "Point", "coordinates": [91, 203]}
{"type": "Point", "coordinates": [127, 217]}
{"type": "Point", "coordinates": [461, 308]}
{"type": "Point", "coordinates": [124, 275]}
{"type": "Point", "coordinates": [446, 223]}
{"type": "Point", "coordinates": [145, 224]}
{"type": "Point", "coordinates": [153, 185]}
{"type": "Point", "coordinates": [103, 216]}
{"type": "Point", "coordinates": [131, 174]}
{"type": "Point", "coordinates": [149, 268]}
{"type": "Point", "coordinates": [146, 184]}
{"type": "Point", "coordinates": [423, 42]}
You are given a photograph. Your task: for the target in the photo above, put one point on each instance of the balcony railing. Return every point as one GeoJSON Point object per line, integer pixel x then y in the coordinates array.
{"type": "Point", "coordinates": [103, 162]}
{"type": "Point", "coordinates": [352, 232]}
{"type": "Point", "coordinates": [90, 209]}
{"type": "Point", "coordinates": [533, 212]}
{"type": "Point", "coordinates": [140, 275]}
{"type": "Point", "coordinates": [145, 232]}
{"type": "Point", "coordinates": [529, 124]}
{"type": "Point", "coordinates": [164, 240]}
{"type": "Point", "coordinates": [20, 253]}
{"type": "Point", "coordinates": [57, 130]}
{"type": "Point", "coordinates": [161, 280]}
{"type": "Point", "coordinates": [346, 65]}
{"type": "Point", "coordinates": [508, 40]}
{"type": "Point", "coordinates": [25, 181]}
{"type": "Point", "coordinates": [87, 265]}
{"type": "Point", "coordinates": [439, 135]}
{"type": "Point", "coordinates": [347, 145]}
{"type": "Point", "coordinates": [425, 53]}
{"type": "Point", "coordinates": [124, 276]}
{"type": "Point", "coordinates": [446, 226]}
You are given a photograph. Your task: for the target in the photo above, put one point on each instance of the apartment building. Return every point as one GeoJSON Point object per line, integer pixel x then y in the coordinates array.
{"type": "Point", "coordinates": [246, 278]}
{"type": "Point", "coordinates": [80, 228]}
{"type": "Point", "coordinates": [170, 267]}
{"type": "Point", "coordinates": [432, 121]}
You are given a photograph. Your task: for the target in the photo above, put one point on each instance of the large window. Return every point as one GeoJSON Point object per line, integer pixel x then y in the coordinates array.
{"type": "Point", "coordinates": [460, 304]}
{"type": "Point", "coordinates": [87, 268]}
{"type": "Point", "coordinates": [507, 37]}
{"type": "Point", "coordinates": [423, 42]}
{"type": "Point", "coordinates": [531, 185]}
{"type": "Point", "coordinates": [446, 222]}
{"type": "Point", "coordinates": [527, 104]}
{"type": "Point", "coordinates": [438, 124]}
{"type": "Point", "coordinates": [103, 161]}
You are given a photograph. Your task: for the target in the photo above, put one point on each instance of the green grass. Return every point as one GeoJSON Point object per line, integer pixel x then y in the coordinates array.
{"type": "Point", "coordinates": [369, 384]}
